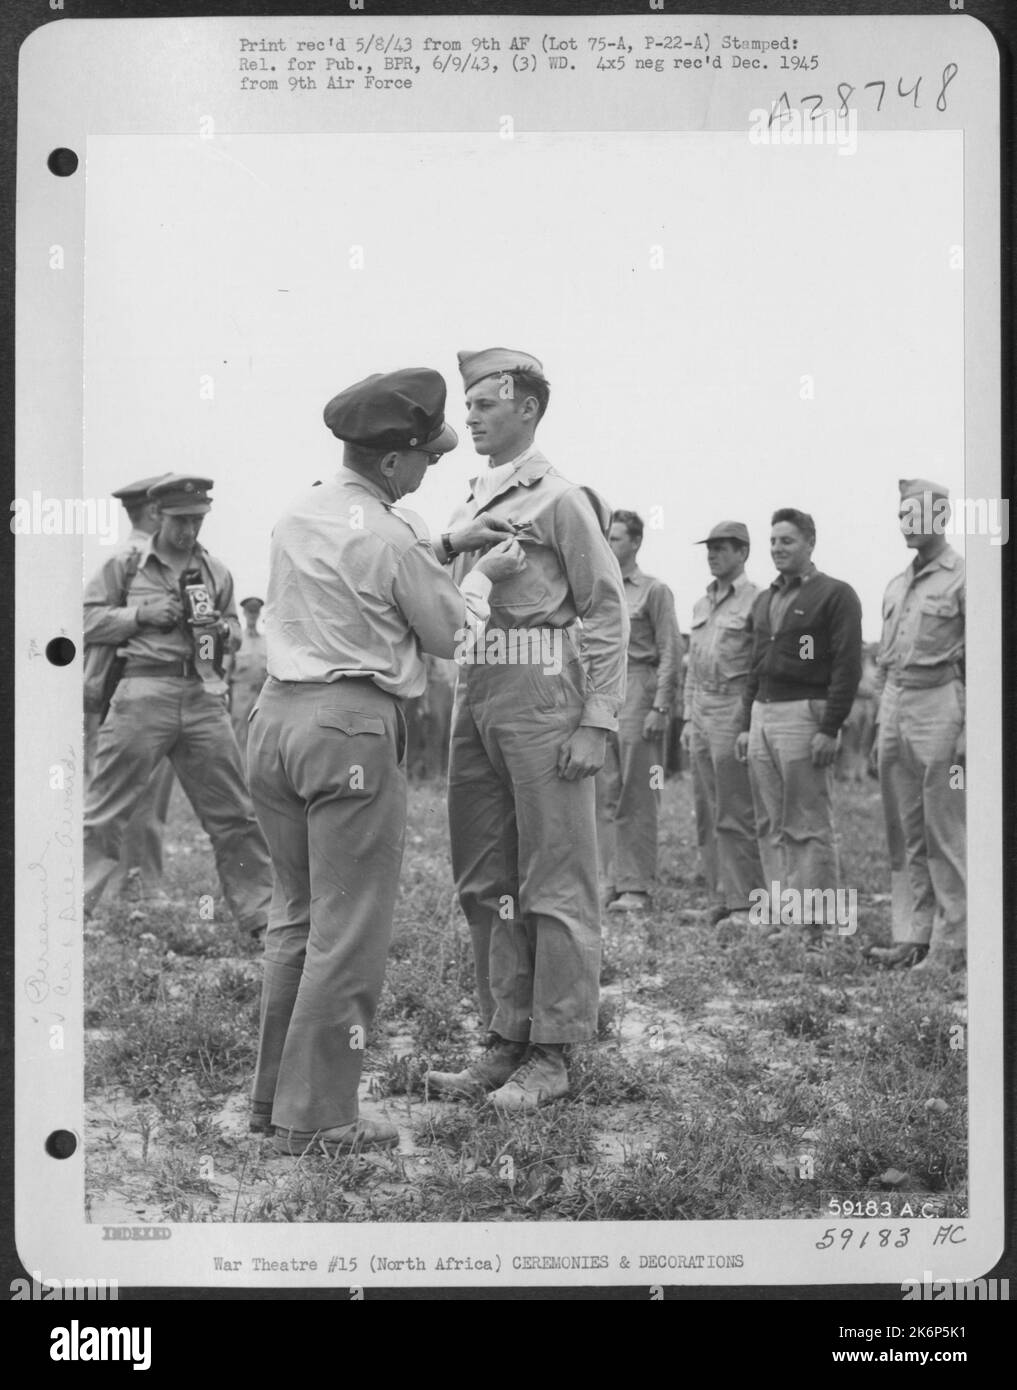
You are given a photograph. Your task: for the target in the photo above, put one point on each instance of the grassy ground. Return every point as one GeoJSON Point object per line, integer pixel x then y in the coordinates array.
{"type": "Point", "coordinates": [730, 1079]}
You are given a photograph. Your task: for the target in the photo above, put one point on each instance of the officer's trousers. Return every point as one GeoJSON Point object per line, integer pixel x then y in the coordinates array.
{"type": "Point", "coordinates": [326, 768]}
{"type": "Point", "coordinates": [142, 844]}
{"type": "Point", "coordinates": [628, 790]}
{"type": "Point", "coordinates": [156, 717]}
{"type": "Point", "coordinates": [524, 851]}
{"type": "Point", "coordinates": [793, 798]}
{"type": "Point", "coordinates": [925, 814]}
{"type": "Point", "coordinates": [725, 816]}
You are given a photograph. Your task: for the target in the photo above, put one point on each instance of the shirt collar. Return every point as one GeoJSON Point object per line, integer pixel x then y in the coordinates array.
{"type": "Point", "coordinates": [148, 549]}
{"type": "Point", "coordinates": [737, 585]}
{"type": "Point", "coordinates": [636, 577]}
{"type": "Point", "coordinates": [782, 582]}
{"type": "Point", "coordinates": [946, 559]}
{"type": "Point", "coordinates": [528, 466]}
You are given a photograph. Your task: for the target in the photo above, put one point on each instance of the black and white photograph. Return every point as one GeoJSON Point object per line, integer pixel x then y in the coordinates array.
{"type": "Point", "coordinates": [505, 502]}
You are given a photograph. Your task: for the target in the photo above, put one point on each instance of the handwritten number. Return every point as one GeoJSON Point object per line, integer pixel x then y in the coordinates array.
{"type": "Point", "coordinates": [818, 100]}
{"type": "Point", "coordinates": [882, 92]}
{"type": "Point", "coordinates": [902, 93]}
{"type": "Point", "coordinates": [949, 73]}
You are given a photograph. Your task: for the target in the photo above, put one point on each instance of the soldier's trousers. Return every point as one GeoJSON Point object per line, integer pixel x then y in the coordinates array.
{"type": "Point", "coordinates": [142, 843]}
{"type": "Point", "coordinates": [326, 768]}
{"type": "Point", "coordinates": [793, 798]}
{"type": "Point", "coordinates": [156, 717]}
{"type": "Point", "coordinates": [925, 815]}
{"type": "Point", "coordinates": [725, 816]}
{"type": "Point", "coordinates": [628, 792]}
{"type": "Point", "coordinates": [524, 851]}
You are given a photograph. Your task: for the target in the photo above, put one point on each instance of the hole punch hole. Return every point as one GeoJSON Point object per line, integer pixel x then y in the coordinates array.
{"type": "Point", "coordinates": [60, 651]}
{"type": "Point", "coordinates": [62, 162]}
{"type": "Point", "coordinates": [61, 1143]}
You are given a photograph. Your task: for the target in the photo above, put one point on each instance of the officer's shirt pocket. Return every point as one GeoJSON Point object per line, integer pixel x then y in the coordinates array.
{"type": "Point", "coordinates": [939, 626]}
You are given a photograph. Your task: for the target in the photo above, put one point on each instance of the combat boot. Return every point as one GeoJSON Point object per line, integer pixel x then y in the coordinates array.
{"type": "Point", "coordinates": [499, 1060]}
{"type": "Point", "coordinates": [541, 1078]}
{"type": "Point", "coordinates": [902, 956]}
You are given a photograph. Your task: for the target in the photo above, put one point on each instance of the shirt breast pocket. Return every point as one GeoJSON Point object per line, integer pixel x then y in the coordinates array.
{"type": "Point", "coordinates": [939, 625]}
{"type": "Point", "coordinates": [525, 594]}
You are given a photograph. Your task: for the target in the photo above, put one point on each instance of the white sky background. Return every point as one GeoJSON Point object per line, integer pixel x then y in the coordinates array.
{"type": "Point", "coordinates": [675, 388]}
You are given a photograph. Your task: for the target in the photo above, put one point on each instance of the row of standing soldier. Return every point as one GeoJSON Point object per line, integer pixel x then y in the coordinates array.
{"type": "Point", "coordinates": [358, 595]}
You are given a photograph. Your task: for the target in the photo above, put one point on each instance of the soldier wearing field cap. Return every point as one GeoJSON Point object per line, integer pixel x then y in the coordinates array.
{"type": "Point", "coordinates": [527, 740]}
{"type": "Point", "coordinates": [248, 669]}
{"type": "Point", "coordinates": [141, 854]}
{"type": "Point", "coordinates": [171, 701]}
{"type": "Point", "coordinates": [720, 656]}
{"type": "Point", "coordinates": [920, 739]}
{"type": "Point", "coordinates": [355, 599]}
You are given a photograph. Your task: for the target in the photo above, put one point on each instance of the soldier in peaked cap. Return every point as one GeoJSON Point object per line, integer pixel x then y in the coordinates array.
{"type": "Point", "coordinates": [355, 599]}
{"type": "Point", "coordinates": [141, 855]}
{"type": "Point", "coordinates": [171, 701]}
{"type": "Point", "coordinates": [920, 739]}
{"type": "Point", "coordinates": [720, 656]}
{"type": "Point", "coordinates": [528, 735]}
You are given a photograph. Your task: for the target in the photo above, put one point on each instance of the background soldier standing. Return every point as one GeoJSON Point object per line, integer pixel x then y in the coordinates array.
{"type": "Point", "coordinates": [526, 742]}
{"type": "Point", "coordinates": [626, 795]}
{"type": "Point", "coordinates": [720, 655]}
{"type": "Point", "coordinates": [141, 854]}
{"type": "Point", "coordinates": [355, 597]}
{"type": "Point", "coordinates": [921, 739]}
{"type": "Point", "coordinates": [171, 703]}
{"type": "Point", "coordinates": [248, 669]}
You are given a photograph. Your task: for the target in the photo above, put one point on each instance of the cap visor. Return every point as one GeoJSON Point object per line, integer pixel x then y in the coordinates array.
{"type": "Point", "coordinates": [193, 509]}
{"type": "Point", "coordinates": [443, 443]}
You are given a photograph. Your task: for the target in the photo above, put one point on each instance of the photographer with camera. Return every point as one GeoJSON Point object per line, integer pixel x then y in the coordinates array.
{"type": "Point", "coordinates": [172, 631]}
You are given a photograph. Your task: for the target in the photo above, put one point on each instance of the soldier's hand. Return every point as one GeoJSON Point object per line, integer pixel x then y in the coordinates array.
{"type": "Point", "coordinates": [741, 749]}
{"type": "Point", "coordinates": [824, 750]}
{"type": "Point", "coordinates": [207, 619]}
{"type": "Point", "coordinates": [503, 561]}
{"type": "Point", "coordinates": [583, 755]}
{"type": "Point", "coordinates": [481, 533]}
{"type": "Point", "coordinates": [654, 725]}
{"type": "Point", "coordinates": [162, 613]}
{"type": "Point", "coordinates": [873, 759]}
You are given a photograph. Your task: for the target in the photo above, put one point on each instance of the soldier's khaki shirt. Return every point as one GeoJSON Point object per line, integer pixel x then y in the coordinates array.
{"type": "Point", "coordinates": [720, 647]}
{"type": "Point", "coordinates": [355, 590]}
{"type": "Point", "coordinates": [923, 623]}
{"type": "Point", "coordinates": [654, 639]}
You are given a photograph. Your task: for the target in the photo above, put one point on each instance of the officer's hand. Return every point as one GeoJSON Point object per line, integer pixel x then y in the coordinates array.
{"type": "Point", "coordinates": [742, 748]}
{"type": "Point", "coordinates": [480, 533]}
{"type": "Point", "coordinates": [654, 725]}
{"type": "Point", "coordinates": [503, 561]}
{"type": "Point", "coordinates": [583, 755]}
{"type": "Point", "coordinates": [685, 737]}
{"type": "Point", "coordinates": [873, 759]}
{"type": "Point", "coordinates": [824, 750]}
{"type": "Point", "coordinates": [206, 620]}
{"type": "Point", "coordinates": [162, 613]}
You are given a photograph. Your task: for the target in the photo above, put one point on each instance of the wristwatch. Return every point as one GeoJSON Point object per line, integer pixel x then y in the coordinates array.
{"type": "Point", "coordinates": [446, 541]}
{"type": "Point", "coordinates": [661, 709]}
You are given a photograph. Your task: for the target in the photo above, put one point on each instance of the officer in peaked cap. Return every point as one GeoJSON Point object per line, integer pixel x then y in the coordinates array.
{"type": "Point", "coordinates": [921, 739]}
{"type": "Point", "coordinates": [720, 655]}
{"type": "Point", "coordinates": [527, 738]}
{"type": "Point", "coordinates": [171, 701]}
{"type": "Point", "coordinates": [356, 598]}
{"type": "Point", "coordinates": [141, 861]}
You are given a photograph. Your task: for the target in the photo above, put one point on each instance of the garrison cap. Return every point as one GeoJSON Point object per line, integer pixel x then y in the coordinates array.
{"type": "Point", "coordinates": [474, 366]}
{"type": "Point", "coordinates": [728, 531]}
{"type": "Point", "coordinates": [917, 487]}
{"type": "Point", "coordinates": [394, 410]}
{"type": "Point", "coordinates": [133, 494]}
{"type": "Point", "coordinates": [179, 494]}
{"type": "Point", "coordinates": [257, 603]}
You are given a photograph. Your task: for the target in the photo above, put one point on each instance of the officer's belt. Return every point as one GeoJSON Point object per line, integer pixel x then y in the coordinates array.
{"type": "Point", "coordinates": [924, 677]}
{"type": "Point", "coordinates": [183, 668]}
{"type": "Point", "coordinates": [735, 685]}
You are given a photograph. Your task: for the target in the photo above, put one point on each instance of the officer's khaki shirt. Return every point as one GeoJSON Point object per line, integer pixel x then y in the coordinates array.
{"type": "Point", "coordinates": [720, 647]}
{"type": "Point", "coordinates": [571, 572]}
{"type": "Point", "coordinates": [923, 622]}
{"type": "Point", "coordinates": [654, 639]}
{"type": "Point", "coordinates": [354, 590]}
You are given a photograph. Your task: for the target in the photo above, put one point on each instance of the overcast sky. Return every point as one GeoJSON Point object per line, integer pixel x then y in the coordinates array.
{"type": "Point", "coordinates": [676, 390]}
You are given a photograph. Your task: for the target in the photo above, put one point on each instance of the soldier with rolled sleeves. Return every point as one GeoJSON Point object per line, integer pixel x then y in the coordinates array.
{"type": "Point", "coordinates": [806, 666]}
{"type": "Point", "coordinates": [355, 598]}
{"type": "Point", "coordinates": [920, 739]}
{"type": "Point", "coordinates": [171, 703]}
{"type": "Point", "coordinates": [248, 670]}
{"type": "Point", "coordinates": [141, 853]}
{"type": "Point", "coordinates": [527, 740]}
{"type": "Point", "coordinates": [720, 655]}
{"type": "Point", "coordinates": [626, 794]}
